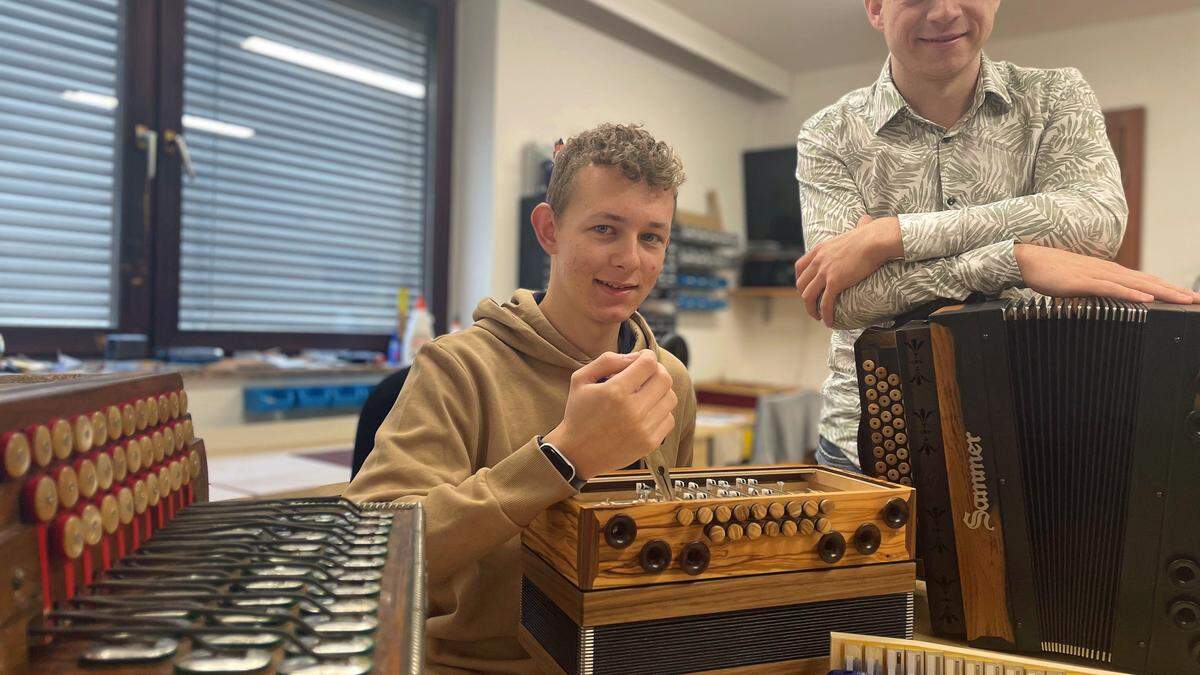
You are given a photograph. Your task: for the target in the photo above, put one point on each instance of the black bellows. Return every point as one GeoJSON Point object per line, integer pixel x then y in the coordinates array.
{"type": "Point", "coordinates": [1075, 369]}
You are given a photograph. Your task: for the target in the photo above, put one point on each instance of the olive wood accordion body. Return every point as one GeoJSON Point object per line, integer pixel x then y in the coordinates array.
{"type": "Point", "coordinates": [1055, 445]}
{"type": "Point", "coordinates": [747, 570]}
{"type": "Point", "coordinates": [115, 562]}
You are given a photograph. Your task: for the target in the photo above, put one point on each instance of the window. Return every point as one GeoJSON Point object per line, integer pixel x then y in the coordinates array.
{"type": "Point", "coordinates": [59, 65]}
{"type": "Point", "coordinates": [319, 135]}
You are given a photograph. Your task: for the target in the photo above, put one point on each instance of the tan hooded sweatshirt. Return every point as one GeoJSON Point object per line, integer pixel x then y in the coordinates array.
{"type": "Point", "coordinates": [460, 439]}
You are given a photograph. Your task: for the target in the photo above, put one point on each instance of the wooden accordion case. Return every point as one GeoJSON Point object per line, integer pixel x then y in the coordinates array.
{"type": "Point", "coordinates": [1055, 447]}
{"type": "Point", "coordinates": [747, 568]}
{"type": "Point", "coordinates": [115, 562]}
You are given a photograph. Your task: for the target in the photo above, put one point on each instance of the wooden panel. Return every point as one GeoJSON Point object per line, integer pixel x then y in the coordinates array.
{"type": "Point", "coordinates": [543, 661]}
{"type": "Point", "coordinates": [1127, 134]}
{"type": "Point", "coordinates": [561, 591]}
{"type": "Point", "coordinates": [645, 603]}
{"type": "Point", "coordinates": [554, 534]}
{"type": "Point", "coordinates": [397, 594]}
{"type": "Point", "coordinates": [666, 601]}
{"type": "Point", "coordinates": [981, 549]}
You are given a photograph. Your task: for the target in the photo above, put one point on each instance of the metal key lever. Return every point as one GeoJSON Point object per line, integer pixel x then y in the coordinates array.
{"type": "Point", "coordinates": [658, 464]}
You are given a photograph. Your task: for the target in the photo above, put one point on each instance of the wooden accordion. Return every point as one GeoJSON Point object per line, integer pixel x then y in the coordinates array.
{"type": "Point", "coordinates": [748, 568]}
{"type": "Point", "coordinates": [1055, 448]}
{"type": "Point", "coordinates": [115, 562]}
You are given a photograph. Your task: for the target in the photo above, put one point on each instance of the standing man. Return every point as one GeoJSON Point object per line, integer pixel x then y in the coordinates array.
{"type": "Point", "coordinates": [952, 174]}
{"type": "Point", "coordinates": [497, 422]}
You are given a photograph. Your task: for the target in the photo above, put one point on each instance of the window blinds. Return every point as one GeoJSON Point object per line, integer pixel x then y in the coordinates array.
{"type": "Point", "coordinates": [307, 125]}
{"type": "Point", "coordinates": [58, 104]}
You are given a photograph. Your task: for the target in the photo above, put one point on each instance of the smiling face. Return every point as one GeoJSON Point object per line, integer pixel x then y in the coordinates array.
{"type": "Point", "coordinates": [934, 39]}
{"type": "Point", "coordinates": [607, 247]}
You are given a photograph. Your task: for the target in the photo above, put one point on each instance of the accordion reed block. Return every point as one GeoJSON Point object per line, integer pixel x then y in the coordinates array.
{"type": "Point", "coordinates": [115, 561]}
{"type": "Point", "coordinates": [751, 566]}
{"type": "Point", "coordinates": [872, 654]}
{"type": "Point", "coordinates": [1055, 446]}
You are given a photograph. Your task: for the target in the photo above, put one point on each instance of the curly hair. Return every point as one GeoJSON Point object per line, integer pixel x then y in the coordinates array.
{"type": "Point", "coordinates": [629, 147]}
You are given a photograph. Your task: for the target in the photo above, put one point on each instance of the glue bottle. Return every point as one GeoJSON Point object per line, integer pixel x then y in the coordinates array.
{"type": "Point", "coordinates": [418, 331]}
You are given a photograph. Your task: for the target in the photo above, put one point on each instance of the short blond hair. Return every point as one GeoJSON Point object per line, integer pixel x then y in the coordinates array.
{"type": "Point", "coordinates": [640, 157]}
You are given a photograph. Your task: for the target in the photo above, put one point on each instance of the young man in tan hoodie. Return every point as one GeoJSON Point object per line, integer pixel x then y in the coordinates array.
{"type": "Point", "coordinates": [501, 420]}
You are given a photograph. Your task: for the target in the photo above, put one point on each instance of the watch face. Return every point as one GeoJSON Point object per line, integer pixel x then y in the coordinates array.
{"type": "Point", "coordinates": [561, 463]}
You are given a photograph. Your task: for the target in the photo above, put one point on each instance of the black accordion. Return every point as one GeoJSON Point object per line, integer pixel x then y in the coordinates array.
{"type": "Point", "coordinates": [1055, 448]}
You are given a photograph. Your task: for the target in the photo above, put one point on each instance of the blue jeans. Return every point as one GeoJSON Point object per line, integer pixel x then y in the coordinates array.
{"type": "Point", "coordinates": [829, 454]}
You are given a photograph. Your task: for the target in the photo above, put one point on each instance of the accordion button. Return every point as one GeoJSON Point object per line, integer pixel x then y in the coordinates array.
{"type": "Point", "coordinates": [620, 531]}
{"type": "Point", "coordinates": [104, 470]}
{"type": "Point", "coordinates": [789, 528]}
{"type": "Point", "coordinates": [867, 539]}
{"type": "Point", "coordinates": [824, 526]}
{"type": "Point", "coordinates": [759, 511]}
{"type": "Point", "coordinates": [868, 365]}
{"type": "Point", "coordinates": [753, 530]}
{"type": "Point", "coordinates": [110, 514]}
{"type": "Point", "coordinates": [128, 419]}
{"type": "Point", "coordinates": [85, 473]}
{"type": "Point", "coordinates": [694, 557]}
{"type": "Point", "coordinates": [831, 547]}
{"type": "Point", "coordinates": [99, 422]}
{"type": "Point", "coordinates": [40, 499]}
{"type": "Point", "coordinates": [741, 513]}
{"type": "Point", "coordinates": [125, 507]}
{"type": "Point", "coordinates": [84, 435]}
{"type": "Point", "coordinates": [1185, 614]}
{"type": "Point", "coordinates": [805, 527]}
{"type": "Point", "coordinates": [67, 483]}
{"type": "Point", "coordinates": [771, 528]}
{"type": "Point", "coordinates": [684, 517]}
{"type": "Point", "coordinates": [1184, 572]}
{"type": "Point", "coordinates": [776, 510]}
{"type": "Point", "coordinates": [143, 413]}
{"type": "Point", "coordinates": [715, 533]}
{"type": "Point", "coordinates": [93, 525]}
{"type": "Point", "coordinates": [61, 438]}
{"type": "Point", "coordinates": [151, 412]}
{"type": "Point", "coordinates": [704, 515]}
{"type": "Point", "coordinates": [17, 456]}
{"type": "Point", "coordinates": [115, 424]}
{"type": "Point", "coordinates": [734, 531]}
{"type": "Point", "coordinates": [880, 467]}
{"type": "Point", "coordinates": [795, 509]}
{"type": "Point", "coordinates": [120, 462]}
{"type": "Point", "coordinates": [68, 535]}
{"type": "Point", "coordinates": [723, 513]}
{"type": "Point", "coordinates": [810, 508]}
{"type": "Point", "coordinates": [41, 445]}
{"type": "Point", "coordinates": [826, 506]}
{"type": "Point", "coordinates": [655, 556]}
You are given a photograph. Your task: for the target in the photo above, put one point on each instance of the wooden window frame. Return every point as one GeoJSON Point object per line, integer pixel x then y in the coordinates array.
{"type": "Point", "coordinates": [148, 219]}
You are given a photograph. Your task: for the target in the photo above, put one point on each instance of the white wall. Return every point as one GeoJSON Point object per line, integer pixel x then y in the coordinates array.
{"type": "Point", "coordinates": [528, 74]}
{"type": "Point", "coordinates": [550, 76]}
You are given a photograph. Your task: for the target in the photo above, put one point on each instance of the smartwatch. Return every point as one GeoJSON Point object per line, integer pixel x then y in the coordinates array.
{"type": "Point", "coordinates": [560, 462]}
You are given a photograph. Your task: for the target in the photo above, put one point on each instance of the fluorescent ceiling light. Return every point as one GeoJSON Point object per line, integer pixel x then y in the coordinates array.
{"type": "Point", "coordinates": [325, 64]}
{"type": "Point", "coordinates": [189, 121]}
{"type": "Point", "coordinates": [91, 98]}
{"type": "Point", "coordinates": [217, 127]}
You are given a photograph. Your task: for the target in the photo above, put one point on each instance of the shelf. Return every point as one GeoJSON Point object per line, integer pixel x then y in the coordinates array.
{"type": "Point", "coordinates": [764, 292]}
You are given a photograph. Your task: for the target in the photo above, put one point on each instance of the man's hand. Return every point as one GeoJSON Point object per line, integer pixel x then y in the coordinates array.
{"type": "Point", "coordinates": [620, 407]}
{"type": "Point", "coordinates": [832, 266]}
{"type": "Point", "coordinates": [1050, 271]}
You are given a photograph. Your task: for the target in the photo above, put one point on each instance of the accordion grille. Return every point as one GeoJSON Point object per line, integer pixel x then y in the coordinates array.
{"type": "Point", "coordinates": [1073, 403]}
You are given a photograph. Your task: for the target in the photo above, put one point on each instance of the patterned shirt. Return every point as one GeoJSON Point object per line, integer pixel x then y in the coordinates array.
{"type": "Point", "coordinates": [1029, 162]}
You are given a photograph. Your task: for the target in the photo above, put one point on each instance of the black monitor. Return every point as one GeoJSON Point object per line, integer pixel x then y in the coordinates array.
{"type": "Point", "coordinates": [772, 197]}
